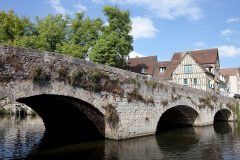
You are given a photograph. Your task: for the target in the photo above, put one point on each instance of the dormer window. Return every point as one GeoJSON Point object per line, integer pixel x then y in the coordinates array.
{"type": "Point", "coordinates": [211, 70]}
{"type": "Point", "coordinates": [162, 69]}
{"type": "Point", "coordinates": [143, 70]}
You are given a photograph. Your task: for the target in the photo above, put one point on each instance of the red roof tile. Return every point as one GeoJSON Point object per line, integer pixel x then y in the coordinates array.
{"type": "Point", "coordinates": [230, 71]}
{"type": "Point", "coordinates": [170, 67]}
{"type": "Point", "coordinates": [208, 56]}
{"type": "Point", "coordinates": [135, 64]}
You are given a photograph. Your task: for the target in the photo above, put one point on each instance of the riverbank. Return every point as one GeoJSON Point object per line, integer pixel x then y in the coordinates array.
{"type": "Point", "coordinates": [16, 109]}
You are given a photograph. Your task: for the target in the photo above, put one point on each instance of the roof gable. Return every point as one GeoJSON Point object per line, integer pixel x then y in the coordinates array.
{"type": "Point", "coordinates": [208, 56]}
{"type": "Point", "coordinates": [189, 55]}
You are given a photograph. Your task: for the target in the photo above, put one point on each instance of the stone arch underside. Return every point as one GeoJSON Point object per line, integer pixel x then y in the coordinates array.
{"type": "Point", "coordinates": [67, 119]}
{"type": "Point", "coordinates": [178, 116]}
{"type": "Point", "coordinates": [222, 115]}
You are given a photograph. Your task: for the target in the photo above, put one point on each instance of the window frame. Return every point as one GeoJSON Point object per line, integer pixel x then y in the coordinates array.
{"type": "Point", "coordinates": [185, 81]}
{"type": "Point", "coordinates": [162, 69]}
{"type": "Point", "coordinates": [188, 69]}
{"type": "Point", "coordinates": [195, 81]}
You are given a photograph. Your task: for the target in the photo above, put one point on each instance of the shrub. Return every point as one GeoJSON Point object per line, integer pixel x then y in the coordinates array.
{"type": "Point", "coordinates": [39, 76]}
{"type": "Point", "coordinates": [214, 98]}
{"type": "Point", "coordinates": [151, 84]}
{"type": "Point", "coordinates": [13, 60]}
{"type": "Point", "coordinates": [113, 86]}
{"type": "Point", "coordinates": [74, 78]}
{"type": "Point", "coordinates": [164, 103]}
{"type": "Point", "coordinates": [207, 101]}
{"type": "Point", "coordinates": [192, 101]}
{"type": "Point", "coordinates": [174, 98]}
{"type": "Point", "coordinates": [95, 79]}
{"type": "Point", "coordinates": [134, 95]}
{"type": "Point", "coordinates": [149, 100]}
{"type": "Point", "coordinates": [230, 106]}
{"type": "Point", "coordinates": [112, 115]}
{"type": "Point", "coordinates": [134, 82]}
{"type": "Point", "coordinates": [4, 111]}
{"type": "Point", "coordinates": [62, 73]}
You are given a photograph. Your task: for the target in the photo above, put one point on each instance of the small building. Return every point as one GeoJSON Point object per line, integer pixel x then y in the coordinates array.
{"type": "Point", "coordinates": [232, 76]}
{"type": "Point", "coordinates": [197, 69]}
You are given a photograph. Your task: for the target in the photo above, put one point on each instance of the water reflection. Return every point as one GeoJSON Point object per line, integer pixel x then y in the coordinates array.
{"type": "Point", "coordinates": [223, 127]}
{"type": "Point", "coordinates": [21, 138]}
{"type": "Point", "coordinates": [18, 137]}
{"type": "Point", "coordinates": [183, 143]}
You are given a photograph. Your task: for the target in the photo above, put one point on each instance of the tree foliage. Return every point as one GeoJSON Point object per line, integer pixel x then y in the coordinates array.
{"type": "Point", "coordinates": [115, 43]}
{"type": "Point", "coordinates": [77, 36]}
{"type": "Point", "coordinates": [82, 36]}
{"type": "Point", "coordinates": [12, 27]}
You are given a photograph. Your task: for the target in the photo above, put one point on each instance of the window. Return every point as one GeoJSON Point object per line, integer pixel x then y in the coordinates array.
{"type": "Point", "coordinates": [188, 69]}
{"type": "Point", "coordinates": [162, 69]}
{"type": "Point", "coordinates": [210, 69]}
{"type": "Point", "coordinates": [143, 70]}
{"type": "Point", "coordinates": [195, 81]}
{"type": "Point", "coordinates": [185, 82]}
{"type": "Point", "coordinates": [211, 83]}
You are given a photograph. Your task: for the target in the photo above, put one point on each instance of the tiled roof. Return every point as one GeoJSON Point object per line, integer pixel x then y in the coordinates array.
{"type": "Point", "coordinates": [135, 64]}
{"type": "Point", "coordinates": [208, 56]}
{"type": "Point", "coordinates": [202, 57]}
{"type": "Point", "coordinates": [167, 75]}
{"type": "Point", "coordinates": [230, 72]}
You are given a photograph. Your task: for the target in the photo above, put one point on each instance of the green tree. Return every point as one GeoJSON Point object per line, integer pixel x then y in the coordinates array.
{"type": "Point", "coordinates": [13, 27]}
{"type": "Point", "coordinates": [51, 31]}
{"type": "Point", "coordinates": [82, 35]}
{"type": "Point", "coordinates": [115, 44]}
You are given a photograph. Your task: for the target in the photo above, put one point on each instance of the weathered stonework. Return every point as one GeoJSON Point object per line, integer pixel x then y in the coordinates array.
{"type": "Point", "coordinates": [101, 86]}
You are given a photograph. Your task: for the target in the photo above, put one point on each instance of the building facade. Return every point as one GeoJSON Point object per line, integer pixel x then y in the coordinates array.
{"type": "Point", "coordinates": [190, 73]}
{"type": "Point", "coordinates": [232, 77]}
{"type": "Point", "coordinates": [197, 69]}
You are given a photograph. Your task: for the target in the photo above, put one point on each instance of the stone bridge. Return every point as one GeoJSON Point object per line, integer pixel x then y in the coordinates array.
{"type": "Point", "coordinates": [78, 98]}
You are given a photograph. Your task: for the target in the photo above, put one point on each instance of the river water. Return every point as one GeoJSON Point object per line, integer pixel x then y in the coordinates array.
{"type": "Point", "coordinates": [21, 138]}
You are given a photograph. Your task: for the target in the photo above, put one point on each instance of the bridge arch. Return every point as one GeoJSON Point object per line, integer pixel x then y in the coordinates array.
{"type": "Point", "coordinates": [177, 116]}
{"type": "Point", "coordinates": [222, 115]}
{"type": "Point", "coordinates": [66, 119]}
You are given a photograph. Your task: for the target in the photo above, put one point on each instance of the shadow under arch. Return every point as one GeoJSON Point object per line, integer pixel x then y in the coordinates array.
{"type": "Point", "coordinates": [222, 115]}
{"type": "Point", "coordinates": [67, 120]}
{"type": "Point", "coordinates": [175, 117]}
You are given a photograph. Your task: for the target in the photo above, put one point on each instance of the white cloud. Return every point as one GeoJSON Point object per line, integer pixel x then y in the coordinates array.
{"type": "Point", "coordinates": [135, 54]}
{"type": "Point", "coordinates": [80, 7]}
{"type": "Point", "coordinates": [226, 32]}
{"type": "Point", "coordinates": [142, 28]}
{"type": "Point", "coordinates": [165, 9]}
{"type": "Point", "coordinates": [57, 6]}
{"type": "Point", "coordinates": [236, 19]}
{"type": "Point", "coordinates": [229, 51]}
{"type": "Point", "coordinates": [200, 44]}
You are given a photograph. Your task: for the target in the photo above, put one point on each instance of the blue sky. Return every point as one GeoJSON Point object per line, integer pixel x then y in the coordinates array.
{"type": "Point", "coordinates": [160, 27]}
